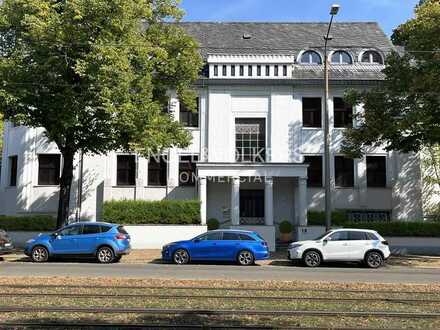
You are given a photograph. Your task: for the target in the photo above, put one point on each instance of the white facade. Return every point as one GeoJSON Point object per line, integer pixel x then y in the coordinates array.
{"type": "Point", "coordinates": [225, 97]}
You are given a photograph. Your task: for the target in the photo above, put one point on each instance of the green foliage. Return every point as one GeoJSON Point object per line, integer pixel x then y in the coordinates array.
{"type": "Point", "coordinates": [402, 114]}
{"type": "Point", "coordinates": [213, 224]}
{"type": "Point", "coordinates": [166, 212]}
{"type": "Point", "coordinates": [285, 227]}
{"type": "Point", "coordinates": [95, 74]}
{"type": "Point", "coordinates": [28, 223]}
{"type": "Point", "coordinates": [393, 228]}
{"type": "Point", "coordinates": [431, 180]}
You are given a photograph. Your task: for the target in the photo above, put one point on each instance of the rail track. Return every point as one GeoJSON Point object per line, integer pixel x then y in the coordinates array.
{"type": "Point", "coordinates": [194, 297]}
{"type": "Point", "coordinates": [20, 286]}
{"type": "Point", "coordinates": [211, 312]}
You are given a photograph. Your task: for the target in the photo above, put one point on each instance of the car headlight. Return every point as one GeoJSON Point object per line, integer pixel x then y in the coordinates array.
{"type": "Point", "coordinates": [294, 245]}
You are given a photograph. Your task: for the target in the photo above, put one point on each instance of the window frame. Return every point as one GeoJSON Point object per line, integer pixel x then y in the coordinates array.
{"type": "Point", "coordinates": [255, 196]}
{"type": "Point", "coordinates": [188, 118]}
{"type": "Point", "coordinates": [347, 114]}
{"type": "Point", "coordinates": [345, 180]}
{"type": "Point", "coordinates": [130, 171]}
{"type": "Point", "coordinates": [13, 170]}
{"type": "Point", "coordinates": [191, 168]}
{"type": "Point", "coordinates": [310, 58]}
{"type": "Point", "coordinates": [160, 173]}
{"type": "Point", "coordinates": [51, 181]}
{"type": "Point", "coordinates": [312, 183]}
{"type": "Point", "coordinates": [376, 182]}
{"type": "Point", "coordinates": [371, 53]}
{"type": "Point", "coordinates": [249, 147]}
{"type": "Point", "coordinates": [311, 112]}
{"type": "Point", "coordinates": [340, 53]}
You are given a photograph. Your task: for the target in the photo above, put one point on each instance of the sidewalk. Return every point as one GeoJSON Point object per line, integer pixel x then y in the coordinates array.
{"type": "Point", "coordinates": [427, 246]}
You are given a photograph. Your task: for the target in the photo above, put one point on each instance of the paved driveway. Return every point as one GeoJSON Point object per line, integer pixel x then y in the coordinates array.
{"type": "Point", "coordinates": [349, 273]}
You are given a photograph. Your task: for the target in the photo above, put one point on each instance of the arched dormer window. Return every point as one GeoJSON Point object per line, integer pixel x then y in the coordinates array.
{"type": "Point", "coordinates": [310, 57]}
{"type": "Point", "coordinates": [371, 57]}
{"type": "Point", "coordinates": [341, 57]}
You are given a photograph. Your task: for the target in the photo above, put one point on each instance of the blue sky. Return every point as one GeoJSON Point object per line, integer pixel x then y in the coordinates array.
{"type": "Point", "coordinates": [389, 13]}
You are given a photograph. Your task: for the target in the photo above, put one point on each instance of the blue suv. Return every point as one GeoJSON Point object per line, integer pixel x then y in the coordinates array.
{"type": "Point", "coordinates": [104, 241]}
{"type": "Point", "coordinates": [241, 246]}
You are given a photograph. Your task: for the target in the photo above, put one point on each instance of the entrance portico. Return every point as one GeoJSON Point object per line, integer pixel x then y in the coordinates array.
{"type": "Point", "coordinates": [238, 175]}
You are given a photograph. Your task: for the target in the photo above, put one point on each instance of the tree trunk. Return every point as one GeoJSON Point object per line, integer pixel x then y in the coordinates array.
{"type": "Point", "coordinates": [65, 187]}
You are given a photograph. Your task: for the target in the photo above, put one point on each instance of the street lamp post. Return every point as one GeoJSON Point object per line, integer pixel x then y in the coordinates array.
{"type": "Point", "coordinates": [328, 204]}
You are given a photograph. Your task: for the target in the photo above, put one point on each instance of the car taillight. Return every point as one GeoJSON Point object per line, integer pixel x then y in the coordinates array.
{"type": "Point", "coordinates": [120, 236]}
{"type": "Point", "coordinates": [385, 243]}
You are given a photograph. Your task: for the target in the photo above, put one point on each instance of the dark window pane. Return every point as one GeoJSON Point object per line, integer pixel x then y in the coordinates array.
{"type": "Point", "coordinates": [244, 237]}
{"type": "Point", "coordinates": [314, 173]}
{"type": "Point", "coordinates": [230, 236]}
{"type": "Point", "coordinates": [157, 171]}
{"type": "Point", "coordinates": [343, 113]}
{"type": "Point", "coordinates": [214, 236]}
{"type": "Point", "coordinates": [121, 230]}
{"type": "Point", "coordinates": [341, 57]}
{"type": "Point", "coordinates": [91, 229]}
{"type": "Point", "coordinates": [252, 203]}
{"type": "Point", "coordinates": [224, 70]}
{"type": "Point", "coordinates": [187, 170]}
{"type": "Point", "coordinates": [285, 70]}
{"type": "Point", "coordinates": [250, 70]}
{"type": "Point", "coordinates": [233, 70]}
{"type": "Point", "coordinates": [241, 70]}
{"type": "Point", "coordinates": [339, 236]}
{"type": "Point", "coordinates": [105, 228]}
{"type": "Point", "coordinates": [357, 236]}
{"type": "Point", "coordinates": [72, 230]}
{"type": "Point", "coordinates": [187, 117]}
{"type": "Point", "coordinates": [344, 172]}
{"type": "Point", "coordinates": [267, 70]}
{"type": "Point", "coordinates": [126, 170]}
{"type": "Point", "coordinates": [258, 70]}
{"type": "Point", "coordinates": [216, 70]}
{"type": "Point", "coordinates": [312, 112]}
{"type": "Point", "coordinates": [49, 170]}
{"type": "Point", "coordinates": [13, 162]}
{"type": "Point", "coordinates": [372, 236]}
{"type": "Point", "coordinates": [372, 57]}
{"type": "Point", "coordinates": [311, 57]}
{"type": "Point", "coordinates": [275, 68]}
{"type": "Point", "coordinates": [376, 171]}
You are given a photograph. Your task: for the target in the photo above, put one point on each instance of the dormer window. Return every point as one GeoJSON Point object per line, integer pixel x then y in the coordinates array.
{"type": "Point", "coordinates": [341, 57]}
{"type": "Point", "coordinates": [310, 57]}
{"type": "Point", "coordinates": [372, 57]}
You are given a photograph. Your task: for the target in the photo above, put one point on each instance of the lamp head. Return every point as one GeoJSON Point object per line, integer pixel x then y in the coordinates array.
{"type": "Point", "coordinates": [334, 10]}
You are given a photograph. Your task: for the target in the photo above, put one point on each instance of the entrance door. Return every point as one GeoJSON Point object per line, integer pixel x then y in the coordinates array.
{"type": "Point", "coordinates": [252, 206]}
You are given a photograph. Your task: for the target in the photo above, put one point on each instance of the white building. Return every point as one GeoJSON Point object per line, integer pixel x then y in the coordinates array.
{"type": "Point", "coordinates": [257, 137]}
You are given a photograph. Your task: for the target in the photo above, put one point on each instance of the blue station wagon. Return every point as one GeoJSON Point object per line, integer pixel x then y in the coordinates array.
{"type": "Point", "coordinates": [104, 241]}
{"type": "Point", "coordinates": [244, 247]}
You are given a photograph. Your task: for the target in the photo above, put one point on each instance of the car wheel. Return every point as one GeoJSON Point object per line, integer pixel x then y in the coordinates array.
{"type": "Point", "coordinates": [39, 254]}
{"type": "Point", "coordinates": [181, 257]}
{"type": "Point", "coordinates": [374, 259]}
{"type": "Point", "coordinates": [312, 258]}
{"type": "Point", "coordinates": [245, 258]}
{"type": "Point", "coordinates": [105, 255]}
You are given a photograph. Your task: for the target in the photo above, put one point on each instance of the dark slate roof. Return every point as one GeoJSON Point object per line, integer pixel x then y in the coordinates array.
{"type": "Point", "coordinates": [284, 38]}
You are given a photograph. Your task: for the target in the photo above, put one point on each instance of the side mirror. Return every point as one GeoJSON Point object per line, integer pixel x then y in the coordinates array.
{"type": "Point", "coordinates": [325, 241]}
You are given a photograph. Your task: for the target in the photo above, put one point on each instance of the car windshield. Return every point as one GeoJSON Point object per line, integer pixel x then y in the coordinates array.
{"type": "Point", "coordinates": [322, 236]}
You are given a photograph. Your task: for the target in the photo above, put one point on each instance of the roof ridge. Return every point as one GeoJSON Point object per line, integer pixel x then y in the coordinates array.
{"type": "Point", "coordinates": [275, 22]}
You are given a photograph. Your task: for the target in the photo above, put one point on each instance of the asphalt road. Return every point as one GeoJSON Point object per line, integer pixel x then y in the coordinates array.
{"type": "Point", "coordinates": [350, 273]}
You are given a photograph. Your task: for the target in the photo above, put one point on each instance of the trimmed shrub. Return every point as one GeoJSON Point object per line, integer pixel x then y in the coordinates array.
{"type": "Point", "coordinates": [286, 227]}
{"type": "Point", "coordinates": [317, 218]}
{"type": "Point", "coordinates": [213, 224]}
{"type": "Point", "coordinates": [28, 223]}
{"type": "Point", "coordinates": [166, 212]}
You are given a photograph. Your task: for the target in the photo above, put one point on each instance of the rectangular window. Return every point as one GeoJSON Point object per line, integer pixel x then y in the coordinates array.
{"type": "Point", "coordinates": [250, 70]}
{"type": "Point", "coordinates": [251, 203]}
{"type": "Point", "coordinates": [343, 113]}
{"type": "Point", "coordinates": [187, 170]}
{"type": "Point", "coordinates": [250, 140]}
{"type": "Point", "coordinates": [187, 117]}
{"type": "Point", "coordinates": [376, 171]}
{"type": "Point", "coordinates": [241, 70]}
{"type": "Point", "coordinates": [233, 70]}
{"type": "Point", "coordinates": [157, 171]}
{"type": "Point", "coordinates": [344, 172]}
{"type": "Point", "coordinates": [285, 70]}
{"type": "Point", "coordinates": [13, 162]}
{"type": "Point", "coordinates": [49, 170]}
{"type": "Point", "coordinates": [224, 71]}
{"type": "Point", "coordinates": [312, 112]}
{"type": "Point", "coordinates": [276, 70]}
{"type": "Point", "coordinates": [126, 170]}
{"type": "Point", "coordinates": [314, 173]}
{"type": "Point", "coordinates": [215, 70]}
{"type": "Point", "coordinates": [267, 70]}
{"type": "Point", "coordinates": [259, 70]}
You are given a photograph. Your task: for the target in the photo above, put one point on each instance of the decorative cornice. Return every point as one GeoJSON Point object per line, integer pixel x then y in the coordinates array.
{"type": "Point", "coordinates": [250, 59]}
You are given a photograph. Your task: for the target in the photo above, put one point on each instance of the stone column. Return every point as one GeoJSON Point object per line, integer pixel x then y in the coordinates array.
{"type": "Point", "coordinates": [235, 201]}
{"type": "Point", "coordinates": [302, 201]}
{"type": "Point", "coordinates": [268, 201]}
{"type": "Point", "coordinates": [203, 199]}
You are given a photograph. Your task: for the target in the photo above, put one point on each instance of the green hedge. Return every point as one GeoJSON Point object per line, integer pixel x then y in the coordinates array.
{"type": "Point", "coordinates": [167, 212]}
{"type": "Point", "coordinates": [394, 228]}
{"type": "Point", "coordinates": [28, 223]}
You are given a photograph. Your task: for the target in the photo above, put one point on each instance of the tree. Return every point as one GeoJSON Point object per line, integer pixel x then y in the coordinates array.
{"type": "Point", "coordinates": [403, 113]}
{"type": "Point", "coordinates": [95, 74]}
{"type": "Point", "coordinates": [431, 180]}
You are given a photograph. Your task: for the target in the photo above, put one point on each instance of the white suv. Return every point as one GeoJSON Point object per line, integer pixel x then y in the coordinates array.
{"type": "Point", "coordinates": [342, 245]}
